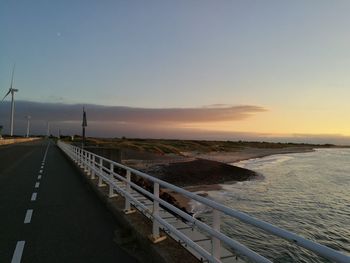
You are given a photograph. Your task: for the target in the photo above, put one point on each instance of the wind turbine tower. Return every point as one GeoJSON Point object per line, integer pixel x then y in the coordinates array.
{"type": "Point", "coordinates": [28, 125]}
{"type": "Point", "coordinates": [48, 130]}
{"type": "Point", "coordinates": [12, 91]}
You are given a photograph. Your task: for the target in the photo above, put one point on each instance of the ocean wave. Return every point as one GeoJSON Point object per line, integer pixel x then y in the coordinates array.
{"type": "Point", "coordinates": [304, 193]}
{"type": "Point", "coordinates": [260, 163]}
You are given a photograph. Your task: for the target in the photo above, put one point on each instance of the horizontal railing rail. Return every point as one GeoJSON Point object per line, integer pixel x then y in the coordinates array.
{"type": "Point", "coordinates": [95, 165]}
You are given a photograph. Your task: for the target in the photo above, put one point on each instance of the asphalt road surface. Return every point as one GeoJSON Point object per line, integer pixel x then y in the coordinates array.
{"type": "Point", "coordinates": [48, 213]}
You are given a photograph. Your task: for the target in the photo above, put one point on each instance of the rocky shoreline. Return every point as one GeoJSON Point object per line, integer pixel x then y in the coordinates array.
{"type": "Point", "coordinates": [197, 175]}
{"type": "Point", "coordinates": [199, 172]}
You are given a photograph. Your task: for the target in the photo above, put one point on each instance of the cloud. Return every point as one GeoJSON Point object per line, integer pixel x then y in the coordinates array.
{"type": "Point", "coordinates": [73, 112]}
{"type": "Point", "coordinates": [116, 121]}
{"type": "Point", "coordinates": [167, 123]}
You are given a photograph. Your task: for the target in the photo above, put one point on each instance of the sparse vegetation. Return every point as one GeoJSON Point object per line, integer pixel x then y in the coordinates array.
{"type": "Point", "coordinates": [162, 146]}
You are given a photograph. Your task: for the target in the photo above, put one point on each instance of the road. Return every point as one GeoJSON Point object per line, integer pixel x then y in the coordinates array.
{"type": "Point", "coordinates": [48, 213]}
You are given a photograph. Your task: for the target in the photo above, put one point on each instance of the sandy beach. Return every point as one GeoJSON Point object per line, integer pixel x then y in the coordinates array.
{"type": "Point", "coordinates": [247, 153]}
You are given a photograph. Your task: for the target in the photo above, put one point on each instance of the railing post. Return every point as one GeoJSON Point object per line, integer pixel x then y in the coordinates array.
{"type": "Point", "coordinates": [82, 159]}
{"type": "Point", "coordinates": [216, 245]}
{"type": "Point", "coordinates": [79, 157]}
{"type": "Point", "coordinates": [88, 163]}
{"type": "Point", "coordinates": [75, 154]}
{"type": "Point", "coordinates": [156, 237]}
{"type": "Point", "coordinates": [100, 182]}
{"type": "Point", "coordinates": [70, 150]}
{"type": "Point", "coordinates": [128, 209]}
{"type": "Point", "coordinates": [111, 171]}
{"type": "Point", "coordinates": [101, 165]}
{"type": "Point", "coordinates": [93, 167]}
{"type": "Point", "coordinates": [91, 163]}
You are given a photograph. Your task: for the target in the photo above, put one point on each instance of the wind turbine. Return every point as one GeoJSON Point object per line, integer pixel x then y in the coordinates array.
{"type": "Point", "coordinates": [28, 124]}
{"type": "Point", "coordinates": [12, 91]}
{"type": "Point", "coordinates": [48, 129]}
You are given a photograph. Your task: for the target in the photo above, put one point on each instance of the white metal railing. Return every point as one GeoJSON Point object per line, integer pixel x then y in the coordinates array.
{"type": "Point", "coordinates": [94, 165]}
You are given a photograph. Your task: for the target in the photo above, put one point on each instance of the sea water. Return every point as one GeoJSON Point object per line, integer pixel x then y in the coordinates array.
{"type": "Point", "coordinates": [305, 193]}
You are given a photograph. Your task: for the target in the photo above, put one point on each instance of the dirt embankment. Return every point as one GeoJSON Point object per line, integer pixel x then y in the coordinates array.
{"type": "Point", "coordinates": [197, 175]}
{"type": "Point", "coordinates": [200, 172]}
{"type": "Point", "coordinates": [17, 140]}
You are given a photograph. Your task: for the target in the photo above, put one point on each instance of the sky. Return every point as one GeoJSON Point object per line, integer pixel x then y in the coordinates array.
{"type": "Point", "coordinates": [262, 70]}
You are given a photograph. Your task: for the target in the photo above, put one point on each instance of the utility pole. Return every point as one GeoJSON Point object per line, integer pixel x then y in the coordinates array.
{"type": "Point", "coordinates": [84, 124]}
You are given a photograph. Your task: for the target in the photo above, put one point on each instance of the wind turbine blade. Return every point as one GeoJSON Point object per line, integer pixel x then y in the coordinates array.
{"type": "Point", "coordinates": [6, 94]}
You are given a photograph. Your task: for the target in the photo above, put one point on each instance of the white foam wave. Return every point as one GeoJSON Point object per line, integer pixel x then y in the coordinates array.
{"type": "Point", "coordinates": [259, 163]}
{"type": "Point", "coordinates": [198, 208]}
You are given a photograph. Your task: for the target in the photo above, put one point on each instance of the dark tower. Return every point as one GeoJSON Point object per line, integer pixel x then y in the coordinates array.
{"type": "Point", "coordinates": [84, 124]}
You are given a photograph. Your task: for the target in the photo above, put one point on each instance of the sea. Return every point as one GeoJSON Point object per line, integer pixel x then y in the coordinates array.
{"type": "Point", "coordinates": [305, 193]}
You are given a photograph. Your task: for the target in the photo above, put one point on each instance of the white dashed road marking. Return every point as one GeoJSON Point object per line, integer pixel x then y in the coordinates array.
{"type": "Point", "coordinates": [17, 254]}
{"type": "Point", "coordinates": [33, 197]}
{"type": "Point", "coordinates": [28, 217]}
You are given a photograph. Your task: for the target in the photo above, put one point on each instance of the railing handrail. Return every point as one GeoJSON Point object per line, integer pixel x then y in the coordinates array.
{"type": "Point", "coordinates": [319, 249]}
